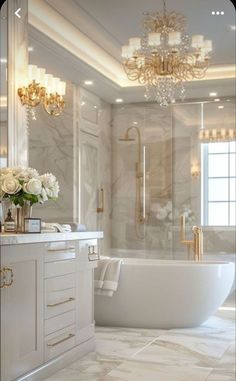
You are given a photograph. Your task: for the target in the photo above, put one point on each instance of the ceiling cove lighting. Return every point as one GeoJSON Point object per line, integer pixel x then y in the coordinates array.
{"type": "Point", "coordinates": [212, 94]}
{"type": "Point", "coordinates": [88, 83]}
{"type": "Point", "coordinates": [165, 56]}
{"type": "Point", "coordinates": [43, 89]}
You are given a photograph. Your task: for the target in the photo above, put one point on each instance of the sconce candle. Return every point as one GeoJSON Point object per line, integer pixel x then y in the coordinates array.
{"type": "Point", "coordinates": [43, 89]}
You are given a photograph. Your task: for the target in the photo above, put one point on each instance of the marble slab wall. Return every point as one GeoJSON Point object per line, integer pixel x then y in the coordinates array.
{"type": "Point", "coordinates": [51, 150]}
{"type": "Point", "coordinates": [155, 127]}
{"type": "Point", "coordinates": [170, 137]}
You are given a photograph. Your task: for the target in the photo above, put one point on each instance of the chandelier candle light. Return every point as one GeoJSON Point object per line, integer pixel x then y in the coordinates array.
{"type": "Point", "coordinates": [43, 89]}
{"type": "Point", "coordinates": [165, 56]}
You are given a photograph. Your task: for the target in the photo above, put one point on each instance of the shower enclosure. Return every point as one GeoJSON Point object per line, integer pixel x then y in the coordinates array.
{"type": "Point", "coordinates": [157, 177]}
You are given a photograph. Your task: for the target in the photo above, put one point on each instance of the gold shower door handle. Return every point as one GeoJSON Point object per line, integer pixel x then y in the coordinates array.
{"type": "Point", "coordinates": [100, 208]}
{"type": "Point", "coordinates": [6, 280]}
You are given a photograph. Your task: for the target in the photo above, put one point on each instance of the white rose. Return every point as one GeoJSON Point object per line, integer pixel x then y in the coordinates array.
{"type": "Point", "coordinates": [33, 186]}
{"type": "Point", "coordinates": [43, 195]}
{"type": "Point", "coordinates": [48, 180]}
{"type": "Point", "coordinates": [10, 185]}
{"type": "Point", "coordinates": [53, 191]}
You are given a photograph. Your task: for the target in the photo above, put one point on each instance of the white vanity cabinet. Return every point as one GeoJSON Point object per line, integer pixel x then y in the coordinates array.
{"type": "Point", "coordinates": [47, 318]}
{"type": "Point", "coordinates": [21, 310]}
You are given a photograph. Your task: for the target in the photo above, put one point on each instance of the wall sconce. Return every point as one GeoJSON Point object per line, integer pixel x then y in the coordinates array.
{"type": "Point", "coordinates": [217, 135]}
{"type": "Point", "coordinates": [43, 89]}
{"type": "Point", "coordinates": [195, 171]}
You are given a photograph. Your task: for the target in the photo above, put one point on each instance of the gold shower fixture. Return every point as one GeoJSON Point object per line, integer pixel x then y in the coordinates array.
{"type": "Point", "coordinates": [43, 89]}
{"type": "Point", "coordinates": [139, 210]}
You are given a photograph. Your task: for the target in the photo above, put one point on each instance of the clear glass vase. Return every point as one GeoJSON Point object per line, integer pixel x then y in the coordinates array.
{"type": "Point", "coordinates": [22, 212]}
{"type": "Point", "coordinates": [19, 213]}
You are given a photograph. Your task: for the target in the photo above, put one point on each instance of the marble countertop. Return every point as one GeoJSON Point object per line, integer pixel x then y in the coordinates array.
{"type": "Point", "coordinates": [16, 239]}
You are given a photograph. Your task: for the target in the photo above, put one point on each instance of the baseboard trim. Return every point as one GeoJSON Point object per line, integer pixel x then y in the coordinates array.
{"type": "Point", "coordinates": [56, 364]}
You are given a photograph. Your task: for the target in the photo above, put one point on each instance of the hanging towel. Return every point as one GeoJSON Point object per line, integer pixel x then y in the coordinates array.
{"type": "Point", "coordinates": [106, 276]}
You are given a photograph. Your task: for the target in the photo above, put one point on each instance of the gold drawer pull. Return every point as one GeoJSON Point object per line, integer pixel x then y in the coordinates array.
{"type": "Point", "coordinates": [3, 272]}
{"type": "Point", "coordinates": [64, 249]}
{"type": "Point", "coordinates": [61, 341]}
{"type": "Point", "coordinates": [62, 302]}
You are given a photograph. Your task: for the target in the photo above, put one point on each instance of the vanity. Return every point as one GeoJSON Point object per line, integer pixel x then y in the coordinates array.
{"type": "Point", "coordinates": [47, 298]}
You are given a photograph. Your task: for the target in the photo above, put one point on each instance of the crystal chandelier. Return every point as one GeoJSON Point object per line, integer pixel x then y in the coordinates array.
{"type": "Point", "coordinates": [165, 56]}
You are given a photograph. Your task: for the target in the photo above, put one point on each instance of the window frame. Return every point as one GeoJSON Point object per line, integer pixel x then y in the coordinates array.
{"type": "Point", "coordinates": [205, 184]}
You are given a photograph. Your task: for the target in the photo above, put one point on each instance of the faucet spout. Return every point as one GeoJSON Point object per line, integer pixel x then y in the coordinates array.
{"type": "Point", "coordinates": [197, 243]}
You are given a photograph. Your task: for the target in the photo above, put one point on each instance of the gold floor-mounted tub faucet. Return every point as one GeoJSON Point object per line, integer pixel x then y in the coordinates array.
{"type": "Point", "coordinates": [196, 244]}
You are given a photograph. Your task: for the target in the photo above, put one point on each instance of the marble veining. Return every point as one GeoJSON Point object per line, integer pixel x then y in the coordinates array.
{"type": "Point", "coordinates": [205, 353]}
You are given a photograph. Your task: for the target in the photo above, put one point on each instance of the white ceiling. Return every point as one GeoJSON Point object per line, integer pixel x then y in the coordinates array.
{"type": "Point", "coordinates": [122, 19]}
{"type": "Point", "coordinates": [109, 23]}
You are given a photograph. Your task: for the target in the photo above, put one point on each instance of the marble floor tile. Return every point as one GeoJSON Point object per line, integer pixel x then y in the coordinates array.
{"type": "Point", "coordinates": [228, 360]}
{"type": "Point", "coordinates": [222, 375]}
{"type": "Point", "coordinates": [122, 342]}
{"type": "Point", "coordinates": [184, 350]}
{"type": "Point", "coordinates": [95, 365]}
{"type": "Point", "coordinates": [143, 371]}
{"type": "Point", "coordinates": [67, 374]}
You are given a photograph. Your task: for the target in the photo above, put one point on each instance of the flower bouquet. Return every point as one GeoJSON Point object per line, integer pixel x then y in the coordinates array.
{"type": "Point", "coordinates": [24, 187]}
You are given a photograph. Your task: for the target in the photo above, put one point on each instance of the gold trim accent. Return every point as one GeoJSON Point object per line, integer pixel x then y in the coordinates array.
{"type": "Point", "coordinates": [62, 302]}
{"type": "Point", "coordinates": [61, 341]}
{"type": "Point", "coordinates": [100, 209]}
{"type": "Point", "coordinates": [3, 271]}
{"type": "Point", "coordinates": [92, 256]}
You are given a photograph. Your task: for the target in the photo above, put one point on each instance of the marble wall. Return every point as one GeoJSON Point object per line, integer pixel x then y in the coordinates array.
{"type": "Point", "coordinates": [55, 145]}
{"type": "Point", "coordinates": [51, 150]}
{"type": "Point", "coordinates": [155, 128]}
{"type": "Point", "coordinates": [170, 137]}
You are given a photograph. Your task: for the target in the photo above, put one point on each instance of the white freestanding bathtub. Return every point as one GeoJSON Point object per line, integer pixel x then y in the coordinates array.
{"type": "Point", "coordinates": [165, 294]}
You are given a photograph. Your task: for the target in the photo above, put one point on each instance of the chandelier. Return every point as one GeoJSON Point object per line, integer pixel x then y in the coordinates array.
{"type": "Point", "coordinates": [43, 89]}
{"type": "Point", "coordinates": [165, 56]}
{"type": "Point", "coordinates": [217, 135]}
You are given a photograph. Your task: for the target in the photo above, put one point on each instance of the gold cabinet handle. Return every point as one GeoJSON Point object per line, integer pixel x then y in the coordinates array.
{"type": "Point", "coordinates": [62, 302]}
{"type": "Point", "coordinates": [64, 249]}
{"type": "Point", "coordinates": [92, 255]}
{"type": "Point", "coordinates": [3, 275]}
{"type": "Point", "coordinates": [61, 341]}
{"type": "Point", "coordinates": [100, 208]}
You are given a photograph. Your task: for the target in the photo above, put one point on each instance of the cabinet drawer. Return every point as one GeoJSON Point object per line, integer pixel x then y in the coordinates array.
{"type": "Point", "coordinates": [60, 246]}
{"type": "Point", "coordinates": [59, 342]}
{"type": "Point", "coordinates": [60, 283]}
{"type": "Point", "coordinates": [53, 269]}
{"type": "Point", "coordinates": [59, 302]}
{"type": "Point", "coordinates": [58, 322]}
{"type": "Point", "coordinates": [52, 256]}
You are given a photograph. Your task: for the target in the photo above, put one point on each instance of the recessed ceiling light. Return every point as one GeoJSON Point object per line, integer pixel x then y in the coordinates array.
{"type": "Point", "coordinates": [220, 107]}
{"type": "Point", "coordinates": [213, 94]}
{"type": "Point", "coordinates": [217, 100]}
{"type": "Point", "coordinates": [3, 60]}
{"type": "Point", "coordinates": [88, 82]}
{"type": "Point", "coordinates": [135, 123]}
{"type": "Point", "coordinates": [222, 13]}
{"type": "Point", "coordinates": [30, 49]}
{"type": "Point", "coordinates": [233, 27]}
{"type": "Point", "coordinates": [227, 100]}
{"type": "Point", "coordinates": [119, 100]}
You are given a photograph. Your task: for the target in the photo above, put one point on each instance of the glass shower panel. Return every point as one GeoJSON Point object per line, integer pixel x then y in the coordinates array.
{"type": "Point", "coordinates": [142, 181]}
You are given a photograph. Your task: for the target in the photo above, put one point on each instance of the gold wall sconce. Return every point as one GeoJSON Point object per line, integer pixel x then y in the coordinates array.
{"type": "Point", "coordinates": [217, 135]}
{"type": "Point", "coordinates": [195, 171]}
{"type": "Point", "coordinates": [43, 89]}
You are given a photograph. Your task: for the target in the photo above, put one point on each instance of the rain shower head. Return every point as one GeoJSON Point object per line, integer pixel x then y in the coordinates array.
{"type": "Point", "coordinates": [126, 139]}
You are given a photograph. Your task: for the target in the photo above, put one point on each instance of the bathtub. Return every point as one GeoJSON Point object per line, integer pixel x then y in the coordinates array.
{"type": "Point", "coordinates": [165, 294]}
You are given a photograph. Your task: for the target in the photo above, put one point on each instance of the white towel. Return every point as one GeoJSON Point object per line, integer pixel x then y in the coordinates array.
{"type": "Point", "coordinates": [106, 276]}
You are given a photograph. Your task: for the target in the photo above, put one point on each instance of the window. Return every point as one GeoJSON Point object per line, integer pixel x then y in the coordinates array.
{"type": "Point", "coordinates": [219, 184]}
